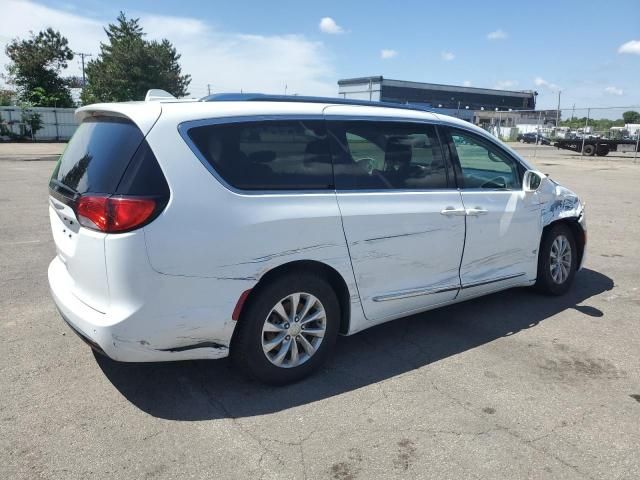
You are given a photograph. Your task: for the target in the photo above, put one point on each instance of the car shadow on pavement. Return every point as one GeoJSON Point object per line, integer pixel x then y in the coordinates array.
{"type": "Point", "coordinates": [204, 390]}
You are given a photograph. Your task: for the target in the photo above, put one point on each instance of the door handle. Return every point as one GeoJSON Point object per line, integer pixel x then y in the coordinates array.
{"type": "Point", "coordinates": [474, 212]}
{"type": "Point", "coordinates": [450, 211]}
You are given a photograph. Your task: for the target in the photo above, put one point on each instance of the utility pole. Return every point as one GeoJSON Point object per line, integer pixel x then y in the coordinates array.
{"type": "Point", "coordinates": [535, 149]}
{"type": "Point", "coordinates": [558, 111]}
{"type": "Point", "coordinates": [208, 89]}
{"type": "Point", "coordinates": [584, 132]}
{"type": "Point", "coordinates": [82, 57]}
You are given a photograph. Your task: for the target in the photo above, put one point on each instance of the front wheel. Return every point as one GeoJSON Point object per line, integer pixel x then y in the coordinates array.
{"type": "Point", "coordinates": [557, 260]}
{"type": "Point", "coordinates": [287, 330]}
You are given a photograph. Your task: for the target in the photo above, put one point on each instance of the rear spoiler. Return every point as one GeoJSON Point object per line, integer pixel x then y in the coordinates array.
{"type": "Point", "coordinates": [143, 114]}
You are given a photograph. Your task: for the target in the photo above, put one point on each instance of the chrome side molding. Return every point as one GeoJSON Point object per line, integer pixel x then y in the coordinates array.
{"type": "Point", "coordinates": [493, 280]}
{"type": "Point", "coordinates": [416, 292]}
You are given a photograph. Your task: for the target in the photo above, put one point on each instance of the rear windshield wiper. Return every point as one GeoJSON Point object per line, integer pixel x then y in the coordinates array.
{"type": "Point", "coordinates": [61, 186]}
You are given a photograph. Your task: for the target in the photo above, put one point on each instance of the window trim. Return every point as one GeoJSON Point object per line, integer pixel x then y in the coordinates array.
{"type": "Point", "coordinates": [183, 130]}
{"type": "Point", "coordinates": [449, 167]}
{"type": "Point", "coordinates": [449, 129]}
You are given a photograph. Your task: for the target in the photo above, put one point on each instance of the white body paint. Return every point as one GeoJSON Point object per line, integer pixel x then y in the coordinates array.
{"type": "Point", "coordinates": [155, 293]}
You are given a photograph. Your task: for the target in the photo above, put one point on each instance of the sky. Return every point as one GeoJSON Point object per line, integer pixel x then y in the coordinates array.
{"type": "Point", "coordinates": [588, 50]}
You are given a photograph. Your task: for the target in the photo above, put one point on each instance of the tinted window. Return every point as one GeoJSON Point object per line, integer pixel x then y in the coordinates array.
{"type": "Point", "coordinates": [387, 155]}
{"type": "Point", "coordinates": [97, 155]}
{"type": "Point", "coordinates": [269, 155]}
{"type": "Point", "coordinates": [484, 165]}
{"type": "Point", "coordinates": [143, 176]}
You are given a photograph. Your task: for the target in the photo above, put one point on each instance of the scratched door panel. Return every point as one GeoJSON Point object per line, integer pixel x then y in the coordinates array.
{"type": "Point", "coordinates": [502, 242]}
{"type": "Point", "coordinates": [503, 221]}
{"type": "Point", "coordinates": [405, 252]}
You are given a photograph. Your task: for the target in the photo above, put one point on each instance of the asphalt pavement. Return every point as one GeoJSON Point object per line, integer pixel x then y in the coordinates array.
{"type": "Point", "coordinates": [514, 385]}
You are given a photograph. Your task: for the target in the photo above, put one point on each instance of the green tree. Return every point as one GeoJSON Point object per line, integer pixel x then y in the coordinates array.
{"type": "Point", "coordinates": [631, 117]}
{"type": "Point", "coordinates": [31, 121]}
{"type": "Point", "coordinates": [597, 124]}
{"type": "Point", "coordinates": [35, 68]}
{"type": "Point", "coordinates": [128, 66]}
{"type": "Point", "coordinates": [6, 97]}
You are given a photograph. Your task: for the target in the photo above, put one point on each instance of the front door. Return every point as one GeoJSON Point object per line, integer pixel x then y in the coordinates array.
{"type": "Point", "coordinates": [403, 218]}
{"type": "Point", "coordinates": [503, 222]}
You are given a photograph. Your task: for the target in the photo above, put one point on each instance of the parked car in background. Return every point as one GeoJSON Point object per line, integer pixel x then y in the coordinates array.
{"type": "Point", "coordinates": [532, 137]}
{"type": "Point", "coordinates": [261, 227]}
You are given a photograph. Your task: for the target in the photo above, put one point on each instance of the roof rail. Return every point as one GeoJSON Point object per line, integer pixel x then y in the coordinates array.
{"type": "Point", "coordinates": [263, 97]}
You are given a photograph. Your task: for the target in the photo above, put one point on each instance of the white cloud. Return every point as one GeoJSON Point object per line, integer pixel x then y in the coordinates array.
{"type": "Point", "coordinates": [173, 27]}
{"type": "Point", "coordinates": [329, 25]}
{"type": "Point", "coordinates": [447, 56]}
{"type": "Point", "coordinates": [497, 35]}
{"type": "Point", "coordinates": [229, 61]}
{"type": "Point", "coordinates": [632, 46]}
{"type": "Point", "coordinates": [614, 91]}
{"type": "Point", "coordinates": [386, 53]}
{"type": "Point", "coordinates": [466, 83]}
{"type": "Point", "coordinates": [541, 82]}
{"type": "Point", "coordinates": [505, 84]}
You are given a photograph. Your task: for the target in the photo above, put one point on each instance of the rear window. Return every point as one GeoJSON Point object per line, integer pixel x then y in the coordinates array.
{"type": "Point", "coordinates": [98, 155]}
{"type": "Point", "coordinates": [267, 155]}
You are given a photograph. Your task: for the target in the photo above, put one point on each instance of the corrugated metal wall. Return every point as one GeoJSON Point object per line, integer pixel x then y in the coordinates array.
{"type": "Point", "coordinates": [58, 124]}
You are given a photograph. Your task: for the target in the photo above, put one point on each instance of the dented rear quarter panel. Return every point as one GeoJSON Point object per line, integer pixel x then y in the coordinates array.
{"type": "Point", "coordinates": [231, 239]}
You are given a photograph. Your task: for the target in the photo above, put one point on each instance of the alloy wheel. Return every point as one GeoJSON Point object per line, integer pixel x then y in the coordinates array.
{"type": "Point", "coordinates": [560, 264]}
{"type": "Point", "coordinates": [294, 330]}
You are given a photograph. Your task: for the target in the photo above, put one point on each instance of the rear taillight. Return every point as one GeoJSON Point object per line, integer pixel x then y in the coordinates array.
{"type": "Point", "coordinates": [114, 214]}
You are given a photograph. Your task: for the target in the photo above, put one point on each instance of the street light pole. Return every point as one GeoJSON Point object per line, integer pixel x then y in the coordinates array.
{"type": "Point", "coordinates": [558, 110]}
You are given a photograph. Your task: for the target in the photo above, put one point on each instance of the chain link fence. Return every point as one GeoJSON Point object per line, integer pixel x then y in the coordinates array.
{"type": "Point", "coordinates": [43, 124]}
{"type": "Point", "coordinates": [587, 131]}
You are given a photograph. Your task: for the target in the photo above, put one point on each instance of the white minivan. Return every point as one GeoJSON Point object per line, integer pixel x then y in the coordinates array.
{"type": "Point", "coordinates": [261, 227]}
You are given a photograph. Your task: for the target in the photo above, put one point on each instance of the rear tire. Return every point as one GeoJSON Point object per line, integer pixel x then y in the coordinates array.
{"type": "Point", "coordinates": [589, 150]}
{"type": "Point", "coordinates": [557, 260]}
{"type": "Point", "coordinates": [277, 340]}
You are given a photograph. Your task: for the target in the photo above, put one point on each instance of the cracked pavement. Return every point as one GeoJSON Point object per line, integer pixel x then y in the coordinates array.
{"type": "Point", "coordinates": [514, 385]}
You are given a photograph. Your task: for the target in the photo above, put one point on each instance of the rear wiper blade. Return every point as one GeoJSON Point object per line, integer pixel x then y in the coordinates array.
{"type": "Point", "coordinates": [62, 186]}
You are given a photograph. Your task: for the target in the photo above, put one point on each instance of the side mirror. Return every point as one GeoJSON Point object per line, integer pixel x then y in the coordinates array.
{"type": "Point", "coordinates": [531, 181]}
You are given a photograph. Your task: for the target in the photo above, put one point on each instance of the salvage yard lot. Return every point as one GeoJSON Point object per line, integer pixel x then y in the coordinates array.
{"type": "Point", "coordinates": [514, 385]}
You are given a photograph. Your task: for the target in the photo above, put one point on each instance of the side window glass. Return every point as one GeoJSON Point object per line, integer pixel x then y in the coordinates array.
{"type": "Point", "coordinates": [371, 155]}
{"type": "Point", "coordinates": [365, 154]}
{"type": "Point", "coordinates": [268, 155]}
{"type": "Point", "coordinates": [484, 165]}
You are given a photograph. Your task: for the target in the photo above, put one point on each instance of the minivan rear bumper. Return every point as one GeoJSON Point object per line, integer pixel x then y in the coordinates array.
{"type": "Point", "coordinates": [113, 336]}
{"type": "Point", "coordinates": [94, 346]}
